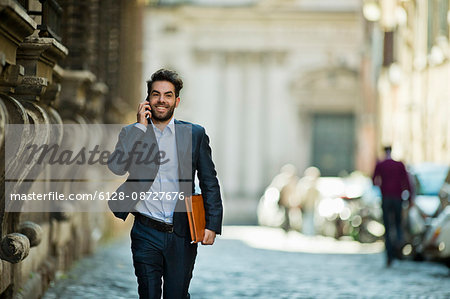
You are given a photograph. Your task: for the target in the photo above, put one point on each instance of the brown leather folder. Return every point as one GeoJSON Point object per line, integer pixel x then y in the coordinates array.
{"type": "Point", "coordinates": [196, 215]}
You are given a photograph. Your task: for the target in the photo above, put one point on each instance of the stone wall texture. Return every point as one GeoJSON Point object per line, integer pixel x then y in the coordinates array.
{"type": "Point", "coordinates": [61, 62]}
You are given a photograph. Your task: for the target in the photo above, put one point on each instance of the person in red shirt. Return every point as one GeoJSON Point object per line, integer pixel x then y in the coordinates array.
{"type": "Point", "coordinates": [392, 178]}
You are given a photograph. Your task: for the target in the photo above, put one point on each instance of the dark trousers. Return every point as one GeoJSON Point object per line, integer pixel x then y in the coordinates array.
{"type": "Point", "coordinates": [392, 218]}
{"type": "Point", "coordinates": [159, 255]}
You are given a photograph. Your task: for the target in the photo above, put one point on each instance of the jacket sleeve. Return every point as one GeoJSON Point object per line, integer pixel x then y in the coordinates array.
{"type": "Point", "coordinates": [121, 160]}
{"type": "Point", "coordinates": [209, 185]}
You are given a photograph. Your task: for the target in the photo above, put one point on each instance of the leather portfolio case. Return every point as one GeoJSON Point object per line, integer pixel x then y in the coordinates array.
{"type": "Point", "coordinates": [196, 215]}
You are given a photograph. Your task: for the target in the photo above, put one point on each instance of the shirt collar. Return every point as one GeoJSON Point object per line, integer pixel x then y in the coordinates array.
{"type": "Point", "coordinates": [170, 125]}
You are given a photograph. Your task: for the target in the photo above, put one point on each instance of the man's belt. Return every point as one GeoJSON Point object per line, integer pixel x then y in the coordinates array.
{"type": "Point", "coordinates": [158, 225]}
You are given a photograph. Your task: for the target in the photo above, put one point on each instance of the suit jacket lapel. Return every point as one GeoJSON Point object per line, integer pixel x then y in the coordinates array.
{"type": "Point", "coordinates": [183, 137]}
{"type": "Point", "coordinates": [184, 140]}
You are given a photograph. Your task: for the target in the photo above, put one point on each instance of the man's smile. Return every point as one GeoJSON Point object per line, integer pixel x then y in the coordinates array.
{"type": "Point", "coordinates": [161, 108]}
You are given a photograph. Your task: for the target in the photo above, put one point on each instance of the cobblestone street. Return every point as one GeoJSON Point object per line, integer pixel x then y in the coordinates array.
{"type": "Point", "coordinates": [268, 264]}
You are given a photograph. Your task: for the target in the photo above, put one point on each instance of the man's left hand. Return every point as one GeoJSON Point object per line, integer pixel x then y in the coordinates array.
{"type": "Point", "coordinates": [209, 237]}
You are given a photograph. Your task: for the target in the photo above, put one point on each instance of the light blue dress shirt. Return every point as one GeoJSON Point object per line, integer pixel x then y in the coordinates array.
{"type": "Point", "coordinates": [164, 192]}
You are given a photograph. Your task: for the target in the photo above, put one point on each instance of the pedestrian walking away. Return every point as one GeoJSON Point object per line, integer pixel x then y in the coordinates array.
{"type": "Point", "coordinates": [162, 156]}
{"type": "Point", "coordinates": [392, 178]}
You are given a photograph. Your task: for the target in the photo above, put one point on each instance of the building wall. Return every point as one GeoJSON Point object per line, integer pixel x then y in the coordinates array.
{"type": "Point", "coordinates": [414, 94]}
{"type": "Point", "coordinates": [255, 75]}
{"type": "Point", "coordinates": [75, 62]}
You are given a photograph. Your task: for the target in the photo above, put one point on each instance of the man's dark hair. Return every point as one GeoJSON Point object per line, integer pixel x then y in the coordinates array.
{"type": "Point", "coordinates": [387, 149]}
{"type": "Point", "coordinates": [166, 75]}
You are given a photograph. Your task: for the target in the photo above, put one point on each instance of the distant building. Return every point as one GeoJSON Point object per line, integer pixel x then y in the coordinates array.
{"type": "Point", "coordinates": [273, 81]}
{"type": "Point", "coordinates": [412, 70]}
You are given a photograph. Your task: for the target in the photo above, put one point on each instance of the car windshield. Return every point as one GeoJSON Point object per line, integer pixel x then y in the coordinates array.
{"type": "Point", "coordinates": [429, 178]}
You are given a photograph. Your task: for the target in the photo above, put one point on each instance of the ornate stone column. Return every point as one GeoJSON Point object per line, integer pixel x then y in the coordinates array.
{"type": "Point", "coordinates": [15, 25]}
{"type": "Point", "coordinates": [27, 92]}
{"type": "Point", "coordinates": [76, 86]}
{"type": "Point", "coordinates": [38, 56]}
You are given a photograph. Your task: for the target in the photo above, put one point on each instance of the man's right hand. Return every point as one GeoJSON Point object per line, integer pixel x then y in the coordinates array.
{"type": "Point", "coordinates": [143, 113]}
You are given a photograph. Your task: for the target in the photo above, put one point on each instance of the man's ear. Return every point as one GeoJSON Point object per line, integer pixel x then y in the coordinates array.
{"type": "Point", "coordinates": [177, 101]}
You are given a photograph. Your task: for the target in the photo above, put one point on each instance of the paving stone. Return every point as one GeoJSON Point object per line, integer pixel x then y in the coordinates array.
{"type": "Point", "coordinates": [232, 269]}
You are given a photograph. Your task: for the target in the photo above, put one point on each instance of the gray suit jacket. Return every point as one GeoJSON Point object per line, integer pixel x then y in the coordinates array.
{"type": "Point", "coordinates": [194, 157]}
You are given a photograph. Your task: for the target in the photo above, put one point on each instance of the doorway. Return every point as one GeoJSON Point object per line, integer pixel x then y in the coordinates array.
{"type": "Point", "coordinates": [333, 145]}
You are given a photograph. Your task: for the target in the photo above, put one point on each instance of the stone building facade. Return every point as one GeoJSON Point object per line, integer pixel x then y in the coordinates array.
{"type": "Point", "coordinates": [61, 62]}
{"type": "Point", "coordinates": [412, 70]}
{"type": "Point", "coordinates": [273, 81]}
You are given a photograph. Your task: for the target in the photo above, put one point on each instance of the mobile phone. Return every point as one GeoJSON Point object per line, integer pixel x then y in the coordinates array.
{"type": "Point", "coordinates": [146, 109]}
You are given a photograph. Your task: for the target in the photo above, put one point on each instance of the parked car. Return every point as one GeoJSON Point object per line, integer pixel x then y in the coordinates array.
{"type": "Point", "coordinates": [436, 243]}
{"type": "Point", "coordinates": [428, 179]}
{"type": "Point", "coordinates": [444, 193]}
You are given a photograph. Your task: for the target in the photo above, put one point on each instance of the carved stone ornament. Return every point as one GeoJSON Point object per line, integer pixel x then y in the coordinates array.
{"type": "Point", "coordinates": [33, 232]}
{"type": "Point", "coordinates": [14, 248]}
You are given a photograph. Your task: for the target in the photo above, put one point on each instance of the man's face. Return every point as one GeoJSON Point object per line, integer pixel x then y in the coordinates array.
{"type": "Point", "coordinates": [163, 100]}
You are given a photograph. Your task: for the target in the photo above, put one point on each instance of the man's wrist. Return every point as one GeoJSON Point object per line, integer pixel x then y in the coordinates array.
{"type": "Point", "coordinates": [211, 230]}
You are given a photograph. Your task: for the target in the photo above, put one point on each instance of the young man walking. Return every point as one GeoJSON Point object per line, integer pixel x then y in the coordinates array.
{"type": "Point", "coordinates": [162, 156]}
